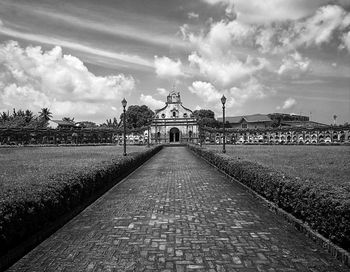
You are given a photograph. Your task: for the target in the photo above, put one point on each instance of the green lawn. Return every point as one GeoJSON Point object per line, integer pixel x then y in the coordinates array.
{"type": "Point", "coordinates": [319, 163]}
{"type": "Point", "coordinates": [31, 164]}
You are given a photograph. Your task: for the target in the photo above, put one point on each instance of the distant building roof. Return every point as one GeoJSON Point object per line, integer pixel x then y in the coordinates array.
{"type": "Point", "coordinates": [254, 118]}
{"type": "Point", "coordinates": [302, 124]}
{"type": "Point", "coordinates": [63, 123]}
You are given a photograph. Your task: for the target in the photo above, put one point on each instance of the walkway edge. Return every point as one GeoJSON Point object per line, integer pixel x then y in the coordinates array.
{"type": "Point", "coordinates": [336, 251]}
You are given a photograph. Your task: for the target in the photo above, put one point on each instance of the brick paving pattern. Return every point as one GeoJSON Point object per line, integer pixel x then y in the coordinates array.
{"type": "Point", "coordinates": [177, 213]}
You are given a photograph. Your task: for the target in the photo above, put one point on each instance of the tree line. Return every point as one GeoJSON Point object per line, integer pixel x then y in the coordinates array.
{"type": "Point", "coordinates": [25, 118]}
{"type": "Point", "coordinates": [136, 117]}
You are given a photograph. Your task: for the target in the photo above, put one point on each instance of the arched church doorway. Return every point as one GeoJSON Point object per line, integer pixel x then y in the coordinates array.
{"type": "Point", "coordinates": [174, 135]}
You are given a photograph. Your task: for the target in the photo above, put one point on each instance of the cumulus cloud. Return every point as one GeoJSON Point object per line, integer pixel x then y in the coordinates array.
{"type": "Point", "coordinates": [322, 27]}
{"type": "Point", "coordinates": [288, 104]}
{"type": "Point", "coordinates": [294, 65]}
{"type": "Point", "coordinates": [215, 56]}
{"type": "Point", "coordinates": [33, 78]}
{"type": "Point", "coordinates": [236, 96]}
{"type": "Point", "coordinates": [276, 28]}
{"type": "Point", "coordinates": [166, 67]}
{"type": "Point", "coordinates": [193, 15]}
{"type": "Point", "coordinates": [206, 91]}
{"type": "Point", "coordinates": [149, 101]}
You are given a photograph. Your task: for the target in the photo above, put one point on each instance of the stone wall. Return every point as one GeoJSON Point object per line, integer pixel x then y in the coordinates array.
{"type": "Point", "coordinates": [323, 135]}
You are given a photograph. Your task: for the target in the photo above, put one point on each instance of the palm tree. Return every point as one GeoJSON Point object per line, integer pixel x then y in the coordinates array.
{"type": "Point", "coordinates": [5, 116]}
{"type": "Point", "coordinates": [29, 115]}
{"type": "Point", "coordinates": [45, 114]}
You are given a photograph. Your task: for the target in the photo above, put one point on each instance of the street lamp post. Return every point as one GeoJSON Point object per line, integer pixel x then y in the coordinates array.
{"type": "Point", "coordinates": [124, 102]}
{"type": "Point", "coordinates": [148, 135]}
{"type": "Point", "coordinates": [223, 101]}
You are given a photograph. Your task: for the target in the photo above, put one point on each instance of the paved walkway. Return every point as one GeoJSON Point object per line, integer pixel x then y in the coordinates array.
{"type": "Point", "coordinates": [176, 213]}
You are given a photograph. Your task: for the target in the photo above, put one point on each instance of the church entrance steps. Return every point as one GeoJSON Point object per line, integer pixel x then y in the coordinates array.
{"type": "Point", "coordinates": [174, 144]}
{"type": "Point", "coordinates": [177, 213]}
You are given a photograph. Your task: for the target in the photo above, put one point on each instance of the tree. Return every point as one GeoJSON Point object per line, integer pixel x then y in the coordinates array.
{"type": "Point", "coordinates": [206, 118]}
{"type": "Point", "coordinates": [199, 114]}
{"type": "Point", "coordinates": [5, 116]}
{"type": "Point", "coordinates": [45, 114]}
{"type": "Point", "coordinates": [29, 116]}
{"type": "Point", "coordinates": [86, 124]}
{"type": "Point", "coordinates": [68, 119]}
{"type": "Point", "coordinates": [137, 116]}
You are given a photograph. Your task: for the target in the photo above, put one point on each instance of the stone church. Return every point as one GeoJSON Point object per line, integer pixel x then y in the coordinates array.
{"type": "Point", "coordinates": [174, 123]}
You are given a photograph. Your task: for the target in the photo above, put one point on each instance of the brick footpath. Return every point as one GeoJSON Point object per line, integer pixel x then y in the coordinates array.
{"type": "Point", "coordinates": [177, 213]}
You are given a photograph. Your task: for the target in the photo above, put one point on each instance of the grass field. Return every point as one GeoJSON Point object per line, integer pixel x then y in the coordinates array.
{"type": "Point", "coordinates": [30, 164]}
{"type": "Point", "coordinates": [319, 163]}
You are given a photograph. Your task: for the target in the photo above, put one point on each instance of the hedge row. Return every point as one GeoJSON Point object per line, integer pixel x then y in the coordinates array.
{"type": "Point", "coordinates": [324, 207]}
{"type": "Point", "coordinates": [30, 209]}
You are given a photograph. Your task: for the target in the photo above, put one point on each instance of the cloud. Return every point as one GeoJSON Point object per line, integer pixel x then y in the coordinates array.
{"type": "Point", "coordinates": [236, 96]}
{"type": "Point", "coordinates": [102, 53]}
{"type": "Point", "coordinates": [321, 27]}
{"type": "Point", "coordinates": [192, 15]}
{"type": "Point", "coordinates": [166, 67]}
{"type": "Point", "coordinates": [275, 28]}
{"type": "Point", "coordinates": [215, 55]}
{"type": "Point", "coordinates": [346, 41]}
{"type": "Point", "coordinates": [294, 65]}
{"type": "Point", "coordinates": [288, 104]}
{"type": "Point", "coordinates": [228, 4]}
{"type": "Point", "coordinates": [262, 12]}
{"type": "Point", "coordinates": [162, 91]}
{"type": "Point", "coordinates": [149, 101]}
{"type": "Point", "coordinates": [35, 78]}
{"type": "Point", "coordinates": [114, 26]}
{"type": "Point", "coordinates": [206, 91]}
{"type": "Point", "coordinates": [324, 26]}
{"type": "Point", "coordinates": [268, 11]}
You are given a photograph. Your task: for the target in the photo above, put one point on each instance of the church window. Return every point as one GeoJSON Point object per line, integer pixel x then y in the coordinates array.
{"type": "Point", "coordinates": [163, 115]}
{"type": "Point", "coordinates": [185, 115]}
{"type": "Point", "coordinates": [174, 114]}
{"type": "Point", "coordinates": [244, 125]}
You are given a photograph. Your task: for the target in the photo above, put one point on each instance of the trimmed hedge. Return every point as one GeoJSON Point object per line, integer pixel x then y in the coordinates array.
{"type": "Point", "coordinates": [27, 210]}
{"type": "Point", "coordinates": [324, 207]}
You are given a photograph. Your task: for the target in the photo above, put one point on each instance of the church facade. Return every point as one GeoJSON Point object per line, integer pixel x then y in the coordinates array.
{"type": "Point", "coordinates": [174, 123]}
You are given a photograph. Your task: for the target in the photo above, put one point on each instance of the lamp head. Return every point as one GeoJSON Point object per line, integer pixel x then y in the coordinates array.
{"type": "Point", "coordinates": [223, 100]}
{"type": "Point", "coordinates": [124, 102]}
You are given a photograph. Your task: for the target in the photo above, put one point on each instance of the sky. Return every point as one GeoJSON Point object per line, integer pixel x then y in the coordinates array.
{"type": "Point", "coordinates": [80, 58]}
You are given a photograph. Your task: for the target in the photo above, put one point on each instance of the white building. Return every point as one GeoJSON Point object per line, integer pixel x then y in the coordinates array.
{"type": "Point", "coordinates": [174, 123]}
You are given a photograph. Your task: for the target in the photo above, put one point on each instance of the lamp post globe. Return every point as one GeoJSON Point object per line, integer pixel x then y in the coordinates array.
{"type": "Point", "coordinates": [124, 103]}
{"type": "Point", "coordinates": [223, 101]}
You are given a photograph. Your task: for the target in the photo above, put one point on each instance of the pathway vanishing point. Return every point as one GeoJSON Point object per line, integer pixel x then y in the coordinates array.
{"type": "Point", "coordinates": [177, 213]}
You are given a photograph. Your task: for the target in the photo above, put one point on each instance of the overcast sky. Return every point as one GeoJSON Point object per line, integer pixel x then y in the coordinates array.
{"type": "Point", "coordinates": [80, 58]}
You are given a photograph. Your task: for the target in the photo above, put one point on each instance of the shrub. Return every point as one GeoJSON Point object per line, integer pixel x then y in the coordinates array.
{"type": "Point", "coordinates": [33, 207]}
{"type": "Point", "coordinates": [324, 207]}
